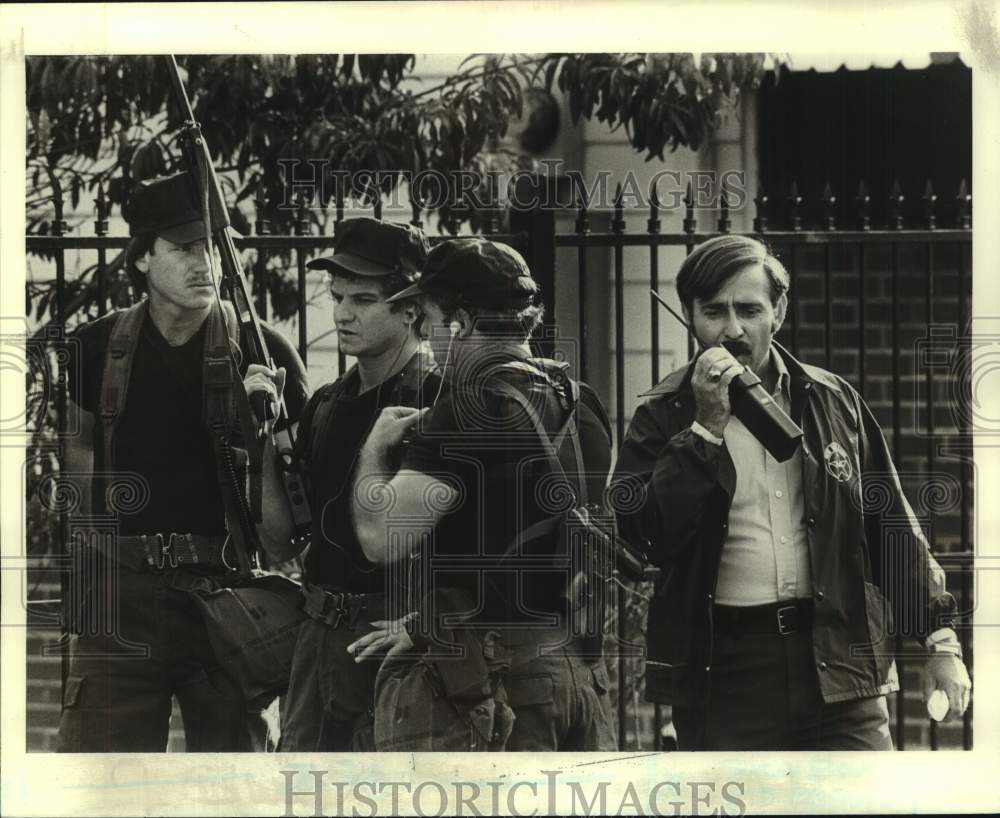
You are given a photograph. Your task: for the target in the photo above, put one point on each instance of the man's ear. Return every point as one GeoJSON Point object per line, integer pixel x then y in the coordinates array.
{"type": "Point", "coordinates": [779, 313]}
{"type": "Point", "coordinates": [412, 313]}
{"type": "Point", "coordinates": [462, 317]}
{"type": "Point", "coordinates": [142, 264]}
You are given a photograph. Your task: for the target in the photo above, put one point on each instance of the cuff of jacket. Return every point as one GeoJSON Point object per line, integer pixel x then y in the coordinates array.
{"type": "Point", "coordinates": [689, 449]}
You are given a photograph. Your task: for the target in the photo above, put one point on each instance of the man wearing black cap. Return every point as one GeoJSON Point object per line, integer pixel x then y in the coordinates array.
{"type": "Point", "coordinates": [136, 380]}
{"type": "Point", "coordinates": [330, 697]}
{"type": "Point", "coordinates": [500, 663]}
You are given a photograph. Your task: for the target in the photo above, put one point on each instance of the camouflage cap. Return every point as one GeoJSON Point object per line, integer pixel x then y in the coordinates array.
{"type": "Point", "coordinates": [483, 272]}
{"type": "Point", "coordinates": [368, 247]}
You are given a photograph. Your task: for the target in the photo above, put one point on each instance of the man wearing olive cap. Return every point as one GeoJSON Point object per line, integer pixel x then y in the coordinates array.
{"type": "Point", "coordinates": [136, 381]}
{"type": "Point", "coordinates": [489, 658]}
{"type": "Point", "coordinates": [330, 698]}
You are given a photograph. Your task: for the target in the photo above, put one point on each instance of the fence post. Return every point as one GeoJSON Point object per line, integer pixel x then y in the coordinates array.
{"type": "Point", "coordinates": [532, 212]}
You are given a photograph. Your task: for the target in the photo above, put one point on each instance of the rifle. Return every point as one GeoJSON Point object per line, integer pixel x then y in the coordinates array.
{"type": "Point", "coordinates": [217, 222]}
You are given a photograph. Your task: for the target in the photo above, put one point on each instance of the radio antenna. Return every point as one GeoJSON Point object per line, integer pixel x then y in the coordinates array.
{"type": "Point", "coordinates": [670, 309]}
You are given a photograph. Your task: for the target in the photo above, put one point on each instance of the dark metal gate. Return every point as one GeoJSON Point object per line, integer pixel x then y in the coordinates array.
{"type": "Point", "coordinates": [857, 294]}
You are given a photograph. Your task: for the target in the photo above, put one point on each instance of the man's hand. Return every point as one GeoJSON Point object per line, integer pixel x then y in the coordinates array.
{"type": "Point", "coordinates": [713, 372]}
{"type": "Point", "coordinates": [389, 638]}
{"type": "Point", "coordinates": [262, 380]}
{"type": "Point", "coordinates": [945, 671]}
{"type": "Point", "coordinates": [391, 427]}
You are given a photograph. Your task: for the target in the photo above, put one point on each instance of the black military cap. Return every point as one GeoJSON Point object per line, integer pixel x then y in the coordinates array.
{"type": "Point", "coordinates": [483, 272]}
{"type": "Point", "coordinates": [166, 206]}
{"type": "Point", "coordinates": [368, 247]}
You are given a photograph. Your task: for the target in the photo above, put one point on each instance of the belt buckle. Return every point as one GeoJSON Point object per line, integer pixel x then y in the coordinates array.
{"type": "Point", "coordinates": [171, 549]}
{"type": "Point", "coordinates": [335, 601]}
{"type": "Point", "coordinates": [154, 554]}
{"type": "Point", "coordinates": [788, 620]}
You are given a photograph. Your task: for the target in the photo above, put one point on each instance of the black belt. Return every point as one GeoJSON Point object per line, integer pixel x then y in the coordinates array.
{"type": "Point", "coordinates": [334, 608]}
{"type": "Point", "coordinates": [783, 618]}
{"type": "Point", "coordinates": [159, 552]}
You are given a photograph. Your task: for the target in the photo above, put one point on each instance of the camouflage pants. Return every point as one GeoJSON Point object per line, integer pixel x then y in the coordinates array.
{"type": "Point", "coordinates": [528, 701]}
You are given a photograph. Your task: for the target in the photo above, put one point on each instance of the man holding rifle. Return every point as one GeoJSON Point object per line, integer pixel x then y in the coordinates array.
{"type": "Point", "coordinates": [139, 379]}
{"type": "Point", "coordinates": [770, 627]}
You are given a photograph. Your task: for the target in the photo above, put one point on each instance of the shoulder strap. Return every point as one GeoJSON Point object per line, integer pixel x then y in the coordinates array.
{"type": "Point", "coordinates": [547, 526]}
{"type": "Point", "coordinates": [120, 354]}
{"type": "Point", "coordinates": [232, 329]}
{"type": "Point", "coordinates": [406, 392]}
{"type": "Point", "coordinates": [553, 445]}
{"type": "Point", "coordinates": [226, 413]}
{"type": "Point", "coordinates": [221, 408]}
{"type": "Point", "coordinates": [320, 419]}
{"type": "Point", "coordinates": [322, 415]}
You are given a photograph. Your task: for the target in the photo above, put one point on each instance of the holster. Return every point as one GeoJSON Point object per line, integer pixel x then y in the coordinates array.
{"type": "Point", "coordinates": [465, 678]}
{"type": "Point", "coordinates": [464, 664]}
{"type": "Point", "coordinates": [493, 719]}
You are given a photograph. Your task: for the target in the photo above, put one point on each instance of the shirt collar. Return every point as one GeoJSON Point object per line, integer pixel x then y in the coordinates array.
{"type": "Point", "coordinates": [784, 376]}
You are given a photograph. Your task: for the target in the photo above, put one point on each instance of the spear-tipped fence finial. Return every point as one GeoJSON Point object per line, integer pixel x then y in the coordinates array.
{"type": "Point", "coordinates": [760, 222]}
{"type": "Point", "coordinates": [896, 199]}
{"type": "Point", "coordinates": [862, 203]}
{"type": "Point", "coordinates": [794, 207]}
{"type": "Point", "coordinates": [829, 207]}
{"type": "Point", "coordinates": [929, 199]}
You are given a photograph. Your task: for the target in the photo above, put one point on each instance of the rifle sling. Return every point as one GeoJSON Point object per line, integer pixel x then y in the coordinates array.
{"type": "Point", "coordinates": [226, 410]}
{"type": "Point", "coordinates": [552, 447]}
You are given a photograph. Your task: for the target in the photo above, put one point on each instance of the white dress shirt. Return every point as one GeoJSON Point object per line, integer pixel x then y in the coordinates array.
{"type": "Point", "coordinates": [765, 557]}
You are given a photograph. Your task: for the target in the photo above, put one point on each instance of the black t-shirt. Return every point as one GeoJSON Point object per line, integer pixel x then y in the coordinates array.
{"type": "Point", "coordinates": [328, 447]}
{"type": "Point", "coordinates": [160, 434]}
{"type": "Point", "coordinates": [483, 443]}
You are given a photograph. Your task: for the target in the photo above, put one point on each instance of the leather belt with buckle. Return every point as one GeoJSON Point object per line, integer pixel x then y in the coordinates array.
{"type": "Point", "coordinates": [788, 619]}
{"type": "Point", "coordinates": [784, 618]}
{"type": "Point", "coordinates": [161, 552]}
{"type": "Point", "coordinates": [333, 608]}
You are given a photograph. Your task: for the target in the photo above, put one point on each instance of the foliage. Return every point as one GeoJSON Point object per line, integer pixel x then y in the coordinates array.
{"type": "Point", "coordinates": [112, 120]}
{"type": "Point", "coordinates": [102, 123]}
{"type": "Point", "coordinates": [660, 99]}
{"type": "Point", "coordinates": [98, 124]}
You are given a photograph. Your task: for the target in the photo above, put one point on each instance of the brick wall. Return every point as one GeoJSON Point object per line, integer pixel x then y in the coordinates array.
{"type": "Point", "coordinates": [911, 451]}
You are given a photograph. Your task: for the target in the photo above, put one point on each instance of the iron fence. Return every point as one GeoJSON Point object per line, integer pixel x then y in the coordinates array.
{"type": "Point", "coordinates": [817, 339]}
{"type": "Point", "coordinates": [789, 242]}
